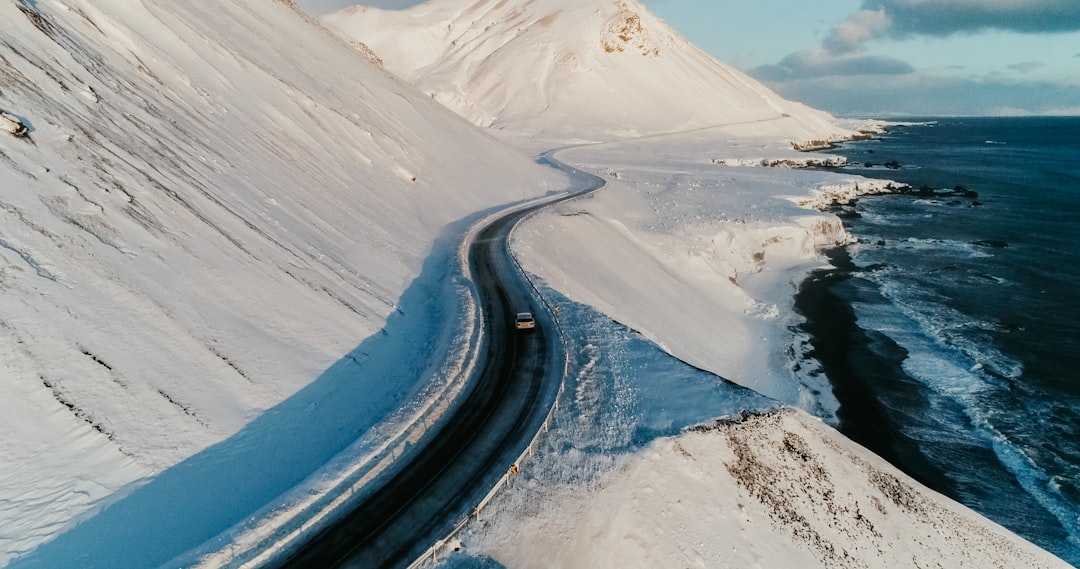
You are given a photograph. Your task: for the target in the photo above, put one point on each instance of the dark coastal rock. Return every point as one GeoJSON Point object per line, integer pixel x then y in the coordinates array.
{"type": "Point", "coordinates": [925, 191]}
{"type": "Point", "coordinates": [830, 162]}
{"type": "Point", "coordinates": [892, 165]}
{"type": "Point", "coordinates": [907, 190]}
{"type": "Point", "coordinates": [947, 269]}
{"type": "Point", "coordinates": [962, 192]}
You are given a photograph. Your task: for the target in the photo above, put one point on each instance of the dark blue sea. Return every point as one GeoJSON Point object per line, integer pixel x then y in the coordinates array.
{"type": "Point", "coordinates": [951, 330]}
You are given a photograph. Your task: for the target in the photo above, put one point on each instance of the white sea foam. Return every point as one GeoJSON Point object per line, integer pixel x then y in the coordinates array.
{"type": "Point", "coordinates": [949, 328]}
{"type": "Point", "coordinates": [1034, 480]}
{"type": "Point", "coordinates": [957, 368]}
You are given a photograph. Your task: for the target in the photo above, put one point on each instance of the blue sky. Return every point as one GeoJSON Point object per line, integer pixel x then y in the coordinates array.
{"type": "Point", "coordinates": [898, 57]}
{"type": "Point", "coordinates": [887, 57]}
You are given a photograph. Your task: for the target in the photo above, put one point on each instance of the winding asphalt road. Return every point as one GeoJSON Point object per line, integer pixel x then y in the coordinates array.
{"type": "Point", "coordinates": [455, 466]}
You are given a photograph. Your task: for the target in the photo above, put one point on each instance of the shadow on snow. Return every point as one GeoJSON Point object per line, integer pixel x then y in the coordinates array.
{"type": "Point", "coordinates": [208, 493]}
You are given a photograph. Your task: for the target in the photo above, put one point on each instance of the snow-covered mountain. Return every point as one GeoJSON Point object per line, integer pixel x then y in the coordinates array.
{"type": "Point", "coordinates": [216, 219]}
{"type": "Point", "coordinates": [199, 219]}
{"type": "Point", "coordinates": [567, 68]}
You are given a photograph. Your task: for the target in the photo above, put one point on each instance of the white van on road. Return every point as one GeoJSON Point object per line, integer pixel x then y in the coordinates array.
{"type": "Point", "coordinates": [525, 321]}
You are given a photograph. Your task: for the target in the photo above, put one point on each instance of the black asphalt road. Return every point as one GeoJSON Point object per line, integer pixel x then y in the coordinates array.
{"type": "Point", "coordinates": [455, 466]}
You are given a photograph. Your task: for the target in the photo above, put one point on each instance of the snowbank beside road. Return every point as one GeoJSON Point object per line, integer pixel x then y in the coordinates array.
{"type": "Point", "coordinates": [702, 259]}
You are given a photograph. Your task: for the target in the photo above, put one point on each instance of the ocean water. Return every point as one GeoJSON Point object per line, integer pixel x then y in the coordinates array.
{"type": "Point", "coordinates": [951, 330]}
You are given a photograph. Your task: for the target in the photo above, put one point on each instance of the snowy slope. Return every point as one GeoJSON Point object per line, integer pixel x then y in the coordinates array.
{"type": "Point", "coordinates": [567, 69]}
{"type": "Point", "coordinates": [202, 219]}
{"type": "Point", "coordinates": [702, 259]}
{"type": "Point", "coordinates": [775, 490]}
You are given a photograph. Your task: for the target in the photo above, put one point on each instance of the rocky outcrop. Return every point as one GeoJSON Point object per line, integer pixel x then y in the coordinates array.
{"type": "Point", "coordinates": [13, 125]}
{"type": "Point", "coordinates": [793, 163]}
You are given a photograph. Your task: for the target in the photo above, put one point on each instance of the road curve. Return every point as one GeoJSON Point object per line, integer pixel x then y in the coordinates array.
{"type": "Point", "coordinates": [453, 467]}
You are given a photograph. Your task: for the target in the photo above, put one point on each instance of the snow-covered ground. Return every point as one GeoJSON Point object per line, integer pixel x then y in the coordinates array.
{"type": "Point", "coordinates": [227, 233]}
{"type": "Point", "coordinates": [203, 233]}
{"type": "Point", "coordinates": [772, 490]}
{"type": "Point", "coordinates": [698, 251]}
{"type": "Point", "coordinates": [682, 245]}
{"type": "Point", "coordinates": [704, 259]}
{"type": "Point", "coordinates": [701, 258]}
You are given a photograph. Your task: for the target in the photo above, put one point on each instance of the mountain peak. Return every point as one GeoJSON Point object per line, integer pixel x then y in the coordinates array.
{"type": "Point", "coordinates": [567, 69]}
{"type": "Point", "coordinates": [626, 33]}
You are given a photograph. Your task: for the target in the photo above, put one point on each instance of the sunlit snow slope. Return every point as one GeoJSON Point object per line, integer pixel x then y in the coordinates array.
{"type": "Point", "coordinates": [214, 202]}
{"type": "Point", "coordinates": [567, 68]}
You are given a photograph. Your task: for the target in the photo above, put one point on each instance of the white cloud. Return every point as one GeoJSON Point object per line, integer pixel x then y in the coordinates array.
{"type": "Point", "coordinates": [915, 94]}
{"type": "Point", "coordinates": [822, 63]}
{"type": "Point", "coordinates": [878, 19]}
{"type": "Point", "coordinates": [841, 77]}
{"type": "Point", "coordinates": [856, 30]}
{"type": "Point", "coordinates": [1064, 111]}
{"type": "Point", "coordinates": [1026, 66]}
{"type": "Point", "coordinates": [947, 17]}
